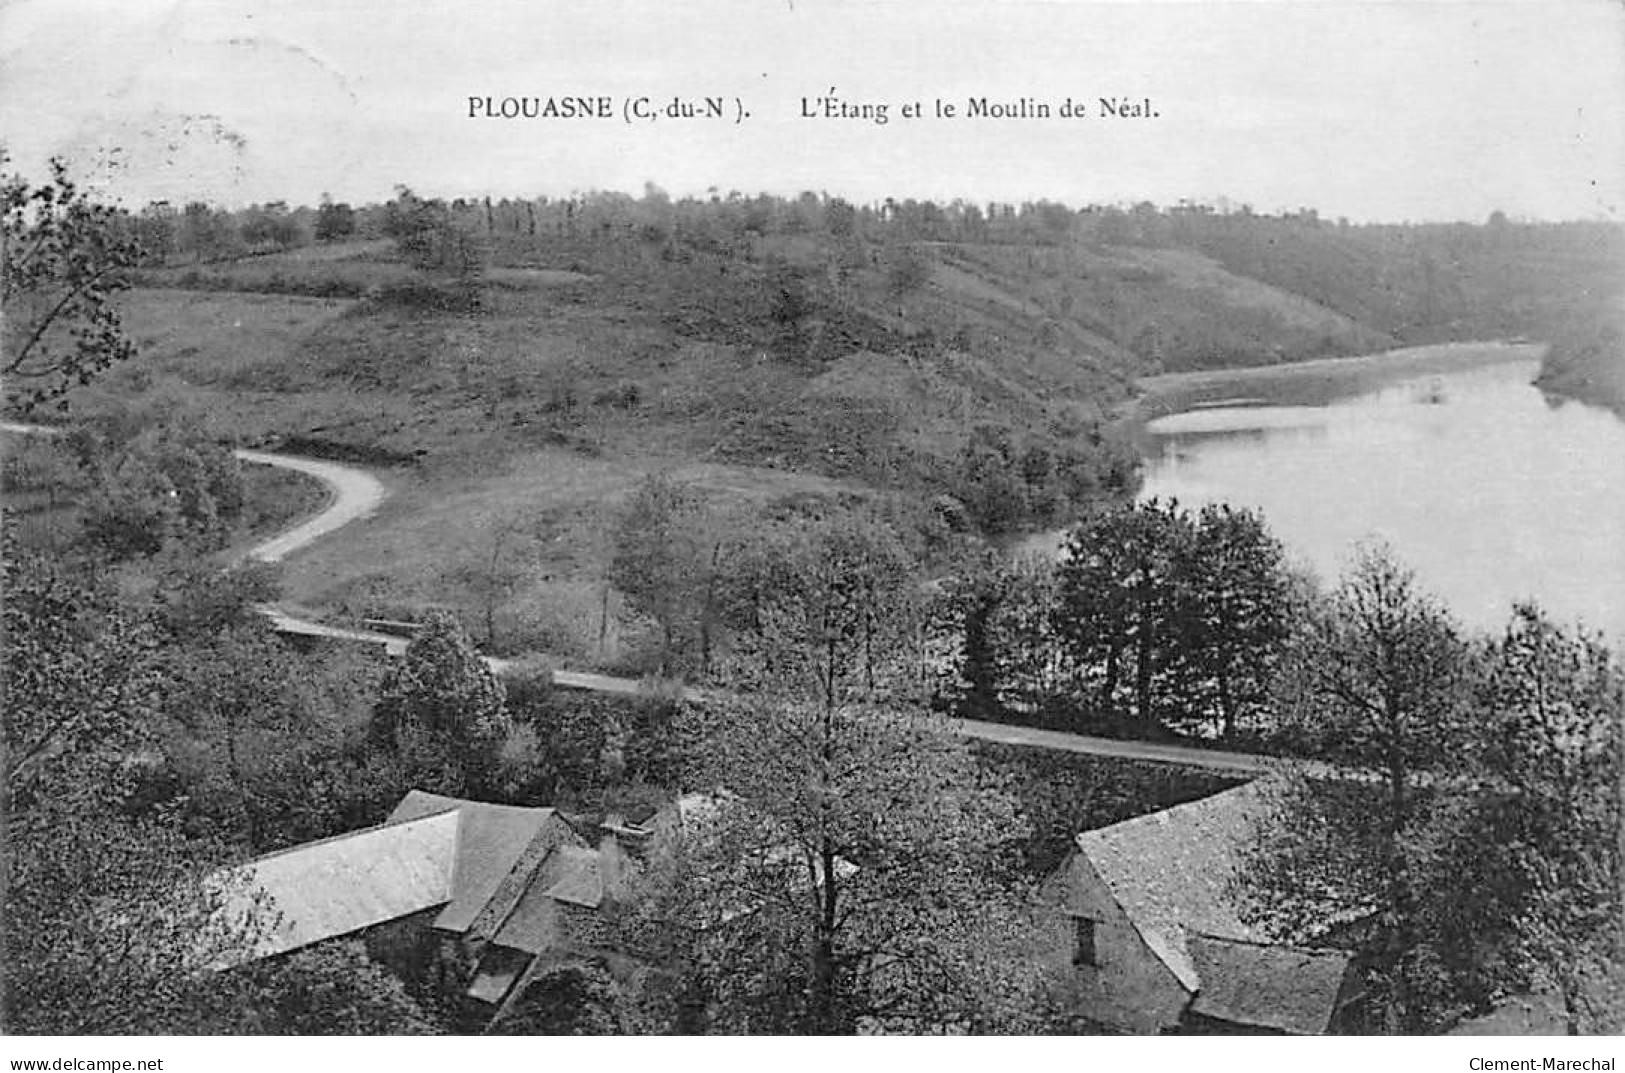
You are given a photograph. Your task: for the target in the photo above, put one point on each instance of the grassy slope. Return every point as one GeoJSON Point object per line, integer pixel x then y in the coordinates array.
{"type": "Point", "coordinates": [596, 362]}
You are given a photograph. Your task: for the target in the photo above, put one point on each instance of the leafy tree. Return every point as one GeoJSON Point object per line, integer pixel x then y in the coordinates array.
{"type": "Point", "coordinates": [1010, 657]}
{"type": "Point", "coordinates": [331, 989]}
{"type": "Point", "coordinates": [660, 561]}
{"type": "Point", "coordinates": [1237, 612]}
{"type": "Point", "coordinates": [1550, 829]}
{"type": "Point", "coordinates": [62, 261]}
{"type": "Point", "coordinates": [157, 233]}
{"type": "Point", "coordinates": [441, 710]}
{"type": "Point", "coordinates": [854, 875]}
{"type": "Point", "coordinates": [78, 673]}
{"type": "Point", "coordinates": [269, 225]}
{"type": "Point", "coordinates": [574, 999]}
{"type": "Point", "coordinates": [161, 489]}
{"type": "Point", "coordinates": [1121, 594]}
{"type": "Point", "coordinates": [248, 738]}
{"type": "Point", "coordinates": [580, 739]}
{"type": "Point", "coordinates": [207, 232]}
{"type": "Point", "coordinates": [831, 611]}
{"type": "Point", "coordinates": [195, 601]}
{"type": "Point", "coordinates": [42, 467]}
{"type": "Point", "coordinates": [1380, 685]}
{"type": "Point", "coordinates": [990, 483]}
{"type": "Point", "coordinates": [840, 218]}
{"type": "Point", "coordinates": [431, 237]}
{"type": "Point", "coordinates": [109, 925]}
{"type": "Point", "coordinates": [334, 220]}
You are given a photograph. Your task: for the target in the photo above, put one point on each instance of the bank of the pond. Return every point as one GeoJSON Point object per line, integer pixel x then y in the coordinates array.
{"type": "Point", "coordinates": [1314, 383]}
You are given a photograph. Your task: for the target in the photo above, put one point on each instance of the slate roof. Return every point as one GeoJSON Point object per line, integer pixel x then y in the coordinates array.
{"type": "Point", "coordinates": [490, 840]}
{"type": "Point", "coordinates": [570, 875]}
{"type": "Point", "coordinates": [579, 881]}
{"type": "Point", "coordinates": [499, 968]}
{"type": "Point", "coordinates": [1267, 985]}
{"type": "Point", "coordinates": [340, 885]}
{"type": "Point", "coordinates": [432, 851]}
{"type": "Point", "coordinates": [1170, 871]}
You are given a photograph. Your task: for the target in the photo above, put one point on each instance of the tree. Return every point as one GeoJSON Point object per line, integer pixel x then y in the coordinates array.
{"type": "Point", "coordinates": [1551, 827]}
{"type": "Point", "coordinates": [78, 673]}
{"type": "Point", "coordinates": [109, 925]}
{"type": "Point", "coordinates": [574, 999]}
{"type": "Point", "coordinates": [830, 611]}
{"type": "Point", "coordinates": [1010, 657]}
{"type": "Point", "coordinates": [660, 561]}
{"type": "Point", "coordinates": [850, 873]}
{"type": "Point", "coordinates": [62, 261]}
{"type": "Point", "coordinates": [331, 989]}
{"type": "Point", "coordinates": [157, 233]}
{"type": "Point", "coordinates": [502, 565]}
{"type": "Point", "coordinates": [1380, 686]}
{"type": "Point", "coordinates": [161, 489]}
{"type": "Point", "coordinates": [207, 232]}
{"type": "Point", "coordinates": [246, 739]}
{"type": "Point", "coordinates": [270, 224]}
{"type": "Point", "coordinates": [334, 220]}
{"type": "Point", "coordinates": [990, 483]}
{"type": "Point", "coordinates": [854, 875]}
{"type": "Point", "coordinates": [1237, 612]}
{"type": "Point", "coordinates": [1120, 596]}
{"type": "Point", "coordinates": [441, 710]}
{"type": "Point", "coordinates": [433, 239]}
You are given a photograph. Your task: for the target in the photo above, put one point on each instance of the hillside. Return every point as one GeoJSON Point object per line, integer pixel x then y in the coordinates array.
{"type": "Point", "coordinates": [516, 370]}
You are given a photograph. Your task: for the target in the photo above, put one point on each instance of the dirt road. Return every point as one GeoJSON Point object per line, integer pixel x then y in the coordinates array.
{"type": "Point", "coordinates": [356, 494]}
{"type": "Point", "coordinates": [352, 494]}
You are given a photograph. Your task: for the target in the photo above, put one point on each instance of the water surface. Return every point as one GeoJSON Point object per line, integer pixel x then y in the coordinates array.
{"type": "Point", "coordinates": [1487, 489]}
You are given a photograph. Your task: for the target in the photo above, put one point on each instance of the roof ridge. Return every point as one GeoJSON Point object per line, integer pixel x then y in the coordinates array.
{"type": "Point", "coordinates": [342, 836]}
{"type": "Point", "coordinates": [1161, 816]}
{"type": "Point", "coordinates": [449, 803]}
{"type": "Point", "coordinates": [1272, 944]}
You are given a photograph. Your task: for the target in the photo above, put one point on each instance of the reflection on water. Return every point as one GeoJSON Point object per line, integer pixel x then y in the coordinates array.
{"type": "Point", "coordinates": [1486, 490]}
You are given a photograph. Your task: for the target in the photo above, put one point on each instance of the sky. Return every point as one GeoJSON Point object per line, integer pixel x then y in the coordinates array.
{"type": "Point", "coordinates": [1370, 109]}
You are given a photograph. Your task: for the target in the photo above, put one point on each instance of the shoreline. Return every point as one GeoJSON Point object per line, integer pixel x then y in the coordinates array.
{"type": "Point", "coordinates": [1313, 382]}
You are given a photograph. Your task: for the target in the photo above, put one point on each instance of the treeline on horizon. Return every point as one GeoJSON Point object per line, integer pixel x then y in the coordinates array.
{"type": "Point", "coordinates": [1398, 284]}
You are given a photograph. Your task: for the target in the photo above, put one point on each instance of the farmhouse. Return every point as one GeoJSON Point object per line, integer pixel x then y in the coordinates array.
{"type": "Point", "coordinates": [470, 895]}
{"type": "Point", "coordinates": [480, 899]}
{"type": "Point", "coordinates": [1151, 941]}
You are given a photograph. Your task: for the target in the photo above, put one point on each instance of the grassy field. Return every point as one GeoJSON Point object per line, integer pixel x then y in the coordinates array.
{"type": "Point", "coordinates": [526, 425]}
{"type": "Point", "coordinates": [781, 366]}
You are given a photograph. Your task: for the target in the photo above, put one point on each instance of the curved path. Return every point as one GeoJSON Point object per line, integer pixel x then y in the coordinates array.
{"type": "Point", "coordinates": [356, 494]}
{"type": "Point", "coordinates": [353, 494]}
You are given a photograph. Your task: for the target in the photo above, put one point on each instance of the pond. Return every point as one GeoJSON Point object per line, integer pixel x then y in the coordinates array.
{"type": "Point", "coordinates": [1489, 490]}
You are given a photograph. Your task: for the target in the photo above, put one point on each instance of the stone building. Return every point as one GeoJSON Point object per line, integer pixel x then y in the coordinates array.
{"type": "Point", "coordinates": [467, 897]}
{"type": "Point", "coordinates": [1148, 939]}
